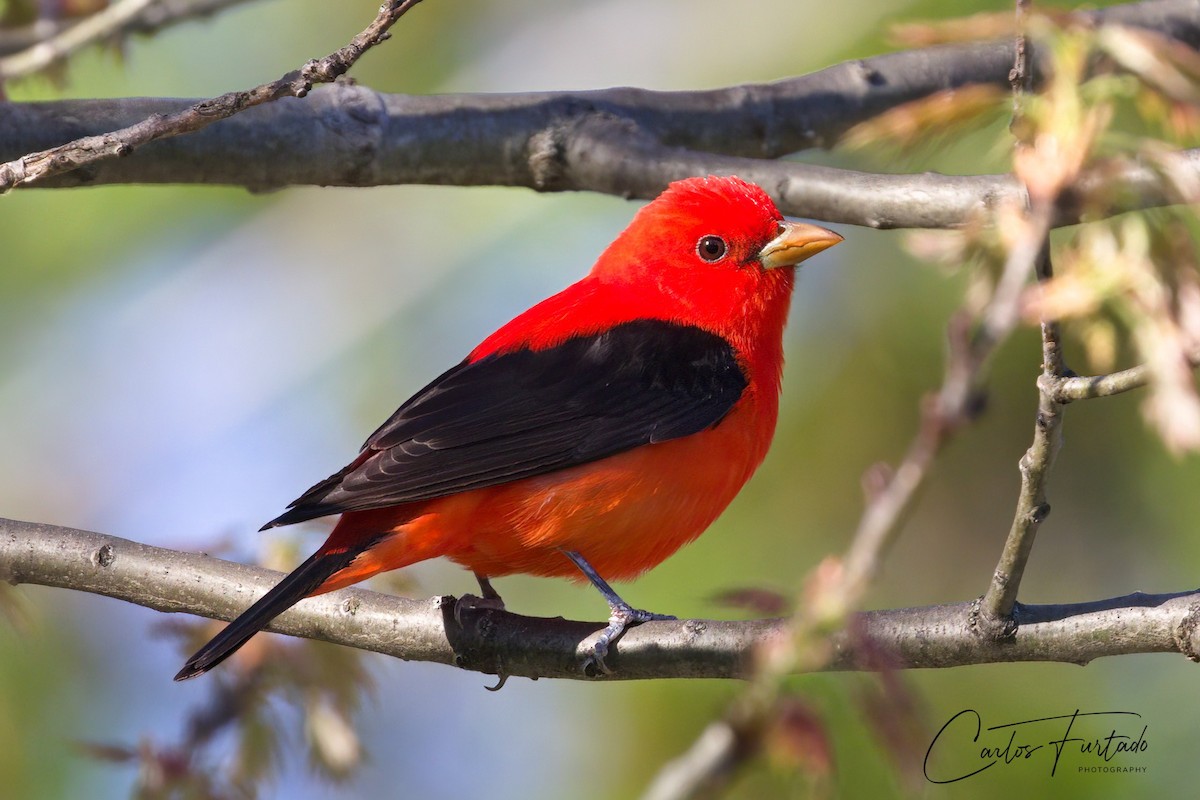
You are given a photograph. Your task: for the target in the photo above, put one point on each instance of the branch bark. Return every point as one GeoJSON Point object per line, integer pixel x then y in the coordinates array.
{"type": "Point", "coordinates": [506, 644]}
{"type": "Point", "coordinates": [1065, 389]}
{"type": "Point", "coordinates": [996, 617]}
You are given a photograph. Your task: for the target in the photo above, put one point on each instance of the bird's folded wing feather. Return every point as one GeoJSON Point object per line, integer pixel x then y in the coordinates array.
{"type": "Point", "coordinates": [524, 413]}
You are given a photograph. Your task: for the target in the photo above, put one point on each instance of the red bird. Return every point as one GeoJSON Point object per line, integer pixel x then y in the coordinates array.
{"type": "Point", "coordinates": [594, 434]}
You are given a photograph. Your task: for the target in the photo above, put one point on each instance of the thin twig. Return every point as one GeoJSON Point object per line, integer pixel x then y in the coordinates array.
{"type": "Point", "coordinates": [1021, 76]}
{"type": "Point", "coordinates": [152, 18]}
{"type": "Point", "coordinates": [98, 26]}
{"type": "Point", "coordinates": [171, 12]}
{"type": "Point", "coordinates": [1069, 388]}
{"type": "Point", "coordinates": [702, 770]}
{"type": "Point", "coordinates": [995, 616]}
{"type": "Point", "coordinates": [957, 402]}
{"type": "Point", "coordinates": [82, 152]}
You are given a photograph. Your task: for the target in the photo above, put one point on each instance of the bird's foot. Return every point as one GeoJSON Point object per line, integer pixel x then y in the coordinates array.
{"type": "Point", "coordinates": [621, 617]}
{"type": "Point", "coordinates": [470, 601]}
{"type": "Point", "coordinates": [491, 600]}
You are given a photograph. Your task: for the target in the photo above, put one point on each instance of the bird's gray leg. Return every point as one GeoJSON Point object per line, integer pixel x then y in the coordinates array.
{"type": "Point", "coordinates": [491, 599]}
{"type": "Point", "coordinates": [621, 614]}
{"type": "Point", "coordinates": [489, 593]}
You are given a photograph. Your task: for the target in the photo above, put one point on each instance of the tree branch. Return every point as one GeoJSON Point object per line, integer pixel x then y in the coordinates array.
{"type": "Point", "coordinates": [498, 642]}
{"type": "Point", "coordinates": [151, 19]}
{"type": "Point", "coordinates": [88, 150]}
{"type": "Point", "coordinates": [624, 141]}
{"type": "Point", "coordinates": [47, 51]}
{"type": "Point", "coordinates": [1069, 388]}
{"type": "Point", "coordinates": [996, 618]}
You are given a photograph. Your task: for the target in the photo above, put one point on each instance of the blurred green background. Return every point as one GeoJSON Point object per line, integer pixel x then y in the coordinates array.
{"type": "Point", "coordinates": [177, 363]}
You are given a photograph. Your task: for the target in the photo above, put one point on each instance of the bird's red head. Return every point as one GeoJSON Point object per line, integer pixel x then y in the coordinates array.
{"type": "Point", "coordinates": [711, 252]}
{"type": "Point", "coordinates": [714, 251]}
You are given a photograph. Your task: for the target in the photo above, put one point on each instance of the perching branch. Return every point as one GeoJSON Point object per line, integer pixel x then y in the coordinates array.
{"type": "Point", "coordinates": [624, 141]}
{"type": "Point", "coordinates": [497, 642]}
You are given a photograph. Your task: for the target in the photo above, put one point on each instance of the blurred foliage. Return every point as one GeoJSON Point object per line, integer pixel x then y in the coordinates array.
{"type": "Point", "coordinates": [35, 694]}
{"type": "Point", "coordinates": [83, 267]}
{"type": "Point", "coordinates": [1125, 284]}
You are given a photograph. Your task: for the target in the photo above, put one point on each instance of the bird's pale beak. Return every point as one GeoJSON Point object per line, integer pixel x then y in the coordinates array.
{"type": "Point", "coordinates": [796, 242]}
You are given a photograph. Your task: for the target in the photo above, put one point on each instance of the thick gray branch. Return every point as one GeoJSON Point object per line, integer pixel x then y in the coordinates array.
{"type": "Point", "coordinates": [500, 642]}
{"type": "Point", "coordinates": [353, 136]}
{"type": "Point", "coordinates": [624, 141]}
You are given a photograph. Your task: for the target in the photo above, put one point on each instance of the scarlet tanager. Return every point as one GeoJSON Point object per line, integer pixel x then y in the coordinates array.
{"type": "Point", "coordinates": [593, 435]}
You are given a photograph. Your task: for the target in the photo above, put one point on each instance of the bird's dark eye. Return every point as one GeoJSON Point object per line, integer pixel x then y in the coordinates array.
{"type": "Point", "coordinates": [711, 248]}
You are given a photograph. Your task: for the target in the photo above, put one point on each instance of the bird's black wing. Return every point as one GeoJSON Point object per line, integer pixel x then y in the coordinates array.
{"type": "Point", "coordinates": [528, 412]}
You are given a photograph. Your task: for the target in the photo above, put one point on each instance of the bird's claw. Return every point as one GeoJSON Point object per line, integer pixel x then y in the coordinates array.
{"type": "Point", "coordinates": [501, 679]}
{"type": "Point", "coordinates": [473, 602]}
{"type": "Point", "coordinates": [620, 618]}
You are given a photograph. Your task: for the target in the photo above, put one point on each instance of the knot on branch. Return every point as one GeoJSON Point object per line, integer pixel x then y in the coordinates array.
{"type": "Point", "coordinates": [992, 628]}
{"type": "Point", "coordinates": [585, 147]}
{"type": "Point", "coordinates": [356, 115]}
{"type": "Point", "coordinates": [1187, 633]}
{"type": "Point", "coordinates": [12, 174]}
{"type": "Point", "coordinates": [547, 158]}
{"type": "Point", "coordinates": [104, 556]}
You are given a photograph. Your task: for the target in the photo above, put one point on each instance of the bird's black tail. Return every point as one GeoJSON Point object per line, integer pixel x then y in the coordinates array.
{"type": "Point", "coordinates": [300, 583]}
